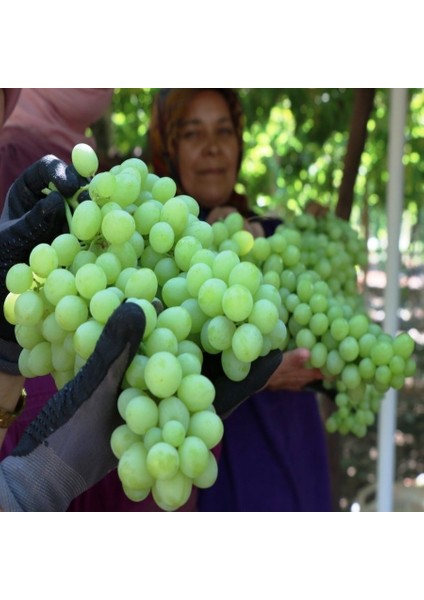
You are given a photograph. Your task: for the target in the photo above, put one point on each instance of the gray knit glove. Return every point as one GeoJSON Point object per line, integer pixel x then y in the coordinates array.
{"type": "Point", "coordinates": [66, 449]}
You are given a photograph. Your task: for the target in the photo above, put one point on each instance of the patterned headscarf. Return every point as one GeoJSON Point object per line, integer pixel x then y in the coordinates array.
{"type": "Point", "coordinates": [167, 112]}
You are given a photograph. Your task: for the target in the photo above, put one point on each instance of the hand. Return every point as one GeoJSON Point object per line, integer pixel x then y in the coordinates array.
{"type": "Point", "coordinates": [230, 394]}
{"type": "Point", "coordinates": [292, 373]}
{"type": "Point", "coordinates": [66, 449]}
{"type": "Point", "coordinates": [29, 218]}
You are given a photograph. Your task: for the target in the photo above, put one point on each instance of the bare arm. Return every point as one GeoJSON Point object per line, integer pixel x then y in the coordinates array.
{"type": "Point", "coordinates": [11, 389]}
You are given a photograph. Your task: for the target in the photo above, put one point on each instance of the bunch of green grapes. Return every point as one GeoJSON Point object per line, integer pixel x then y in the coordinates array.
{"type": "Point", "coordinates": [135, 240]}
{"type": "Point", "coordinates": [313, 263]}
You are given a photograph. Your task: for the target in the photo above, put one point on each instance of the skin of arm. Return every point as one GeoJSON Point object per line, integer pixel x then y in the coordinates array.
{"type": "Point", "coordinates": [11, 389]}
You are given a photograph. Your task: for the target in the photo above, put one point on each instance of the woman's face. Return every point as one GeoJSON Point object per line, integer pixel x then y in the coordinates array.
{"type": "Point", "coordinates": [208, 150]}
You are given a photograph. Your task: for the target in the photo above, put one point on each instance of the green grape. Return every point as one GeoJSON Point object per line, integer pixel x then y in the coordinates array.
{"type": "Point", "coordinates": [220, 331]}
{"type": "Point", "coordinates": [403, 345]}
{"type": "Point", "coordinates": [146, 215]}
{"type": "Point", "coordinates": [84, 159]}
{"type": "Point", "coordinates": [173, 493]}
{"type": "Point", "coordinates": [173, 433]}
{"type": "Point", "coordinates": [349, 349]}
{"type": "Point", "coordinates": [302, 314]}
{"type": "Point", "coordinates": [121, 439]}
{"type": "Point", "coordinates": [382, 352]}
{"type": "Point", "coordinates": [70, 312]}
{"type": "Point", "coordinates": [162, 461]}
{"type": "Point", "coordinates": [124, 397]}
{"type": "Point", "coordinates": [211, 296]}
{"type": "Point", "coordinates": [224, 262]}
{"type": "Point", "coordinates": [161, 237]}
{"type": "Point", "coordinates": [102, 187]}
{"type": "Point", "coordinates": [196, 391]}
{"type": "Point", "coordinates": [90, 279]}
{"type": "Point", "coordinates": [174, 291]}
{"type": "Point", "coordinates": [184, 250]}
{"type": "Point", "coordinates": [197, 274]}
{"type": "Point", "coordinates": [237, 302]}
{"type": "Point", "coordinates": [197, 316]}
{"type": "Point", "coordinates": [207, 426]}
{"type": "Point", "coordinates": [192, 205]}
{"type": "Point", "coordinates": [234, 369]}
{"type": "Point", "coordinates": [141, 283]}
{"type": "Point", "coordinates": [28, 336]}
{"type": "Point", "coordinates": [164, 189]}
{"type": "Point", "coordinates": [177, 319]}
{"type": "Point", "coordinates": [152, 437]}
{"type": "Point", "coordinates": [59, 283]}
{"type": "Point", "coordinates": [127, 187]}
{"type": "Point", "coordinates": [141, 414]}
{"type": "Point", "coordinates": [319, 354]}
{"type": "Point", "coordinates": [19, 278]}
{"type": "Point", "coordinates": [161, 339]}
{"type": "Point", "coordinates": [175, 212]}
{"type": "Point", "coordinates": [28, 308]}
{"type": "Point", "coordinates": [86, 221]}
{"type": "Point", "coordinates": [244, 240]}
{"type": "Point", "coordinates": [209, 475]}
{"type": "Point", "coordinates": [173, 408]}
{"type": "Point", "coordinates": [166, 268]}
{"type": "Point", "coordinates": [190, 364]}
{"type": "Point", "coordinates": [117, 227]}
{"type": "Point", "coordinates": [247, 342]}
{"type": "Point", "coordinates": [163, 374]}
{"type": "Point", "coordinates": [193, 456]}
{"type": "Point", "coordinates": [358, 326]}
{"type": "Point", "coordinates": [86, 337]}
{"type": "Point", "coordinates": [132, 468]}
{"type": "Point", "coordinates": [247, 274]}
{"type": "Point", "coordinates": [111, 266]}
{"type": "Point", "coordinates": [40, 359]}
{"type": "Point", "coordinates": [339, 329]}
{"type": "Point", "coordinates": [43, 260]}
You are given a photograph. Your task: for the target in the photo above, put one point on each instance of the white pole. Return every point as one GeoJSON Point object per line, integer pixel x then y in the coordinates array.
{"type": "Point", "coordinates": [387, 416]}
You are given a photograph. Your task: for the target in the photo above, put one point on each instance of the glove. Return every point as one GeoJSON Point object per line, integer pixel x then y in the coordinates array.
{"type": "Point", "coordinates": [66, 449]}
{"type": "Point", "coordinates": [30, 218]}
{"type": "Point", "coordinates": [230, 394]}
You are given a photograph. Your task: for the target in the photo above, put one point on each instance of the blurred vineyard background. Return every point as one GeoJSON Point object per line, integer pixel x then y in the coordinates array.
{"type": "Point", "coordinates": [298, 146]}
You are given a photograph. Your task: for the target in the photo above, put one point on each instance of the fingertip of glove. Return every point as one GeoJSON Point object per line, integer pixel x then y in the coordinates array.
{"type": "Point", "coordinates": [127, 320]}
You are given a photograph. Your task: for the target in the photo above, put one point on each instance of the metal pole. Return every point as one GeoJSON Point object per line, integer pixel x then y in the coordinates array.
{"type": "Point", "coordinates": [387, 416]}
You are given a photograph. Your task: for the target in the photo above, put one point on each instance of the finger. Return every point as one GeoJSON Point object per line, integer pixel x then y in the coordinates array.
{"type": "Point", "coordinates": [230, 394]}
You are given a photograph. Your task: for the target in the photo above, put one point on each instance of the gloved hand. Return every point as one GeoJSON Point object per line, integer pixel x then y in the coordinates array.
{"type": "Point", "coordinates": [66, 449]}
{"type": "Point", "coordinates": [30, 218]}
{"type": "Point", "coordinates": [230, 394]}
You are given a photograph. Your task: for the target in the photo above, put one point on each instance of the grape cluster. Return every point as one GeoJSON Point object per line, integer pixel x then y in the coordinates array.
{"type": "Point", "coordinates": [222, 292]}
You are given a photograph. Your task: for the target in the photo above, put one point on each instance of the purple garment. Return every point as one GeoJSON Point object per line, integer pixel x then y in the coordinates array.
{"type": "Point", "coordinates": [273, 457]}
{"type": "Point", "coordinates": [105, 496]}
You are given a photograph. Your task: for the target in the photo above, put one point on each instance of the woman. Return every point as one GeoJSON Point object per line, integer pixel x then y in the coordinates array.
{"type": "Point", "coordinates": [273, 455]}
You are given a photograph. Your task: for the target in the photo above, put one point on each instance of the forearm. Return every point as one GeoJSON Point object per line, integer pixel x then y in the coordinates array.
{"type": "Point", "coordinates": [11, 390]}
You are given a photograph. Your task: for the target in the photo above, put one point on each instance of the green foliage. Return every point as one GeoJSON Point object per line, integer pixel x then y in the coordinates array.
{"type": "Point", "coordinates": [295, 144]}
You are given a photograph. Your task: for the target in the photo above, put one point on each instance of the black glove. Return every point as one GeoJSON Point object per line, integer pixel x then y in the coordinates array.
{"type": "Point", "coordinates": [230, 394]}
{"type": "Point", "coordinates": [30, 218]}
{"type": "Point", "coordinates": [66, 449]}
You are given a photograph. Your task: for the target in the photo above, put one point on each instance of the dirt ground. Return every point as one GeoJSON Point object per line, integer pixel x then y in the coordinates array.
{"type": "Point", "coordinates": [353, 460]}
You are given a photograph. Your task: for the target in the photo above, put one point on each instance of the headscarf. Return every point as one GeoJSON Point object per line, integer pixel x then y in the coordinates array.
{"type": "Point", "coordinates": [168, 108]}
